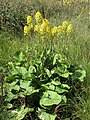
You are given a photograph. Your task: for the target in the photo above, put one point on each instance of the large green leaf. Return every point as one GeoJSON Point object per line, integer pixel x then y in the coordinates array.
{"type": "Point", "coordinates": [80, 74]}
{"type": "Point", "coordinates": [47, 116]}
{"type": "Point", "coordinates": [65, 86]}
{"type": "Point", "coordinates": [50, 98]}
{"type": "Point", "coordinates": [24, 84]}
{"type": "Point", "coordinates": [21, 113]}
{"type": "Point", "coordinates": [64, 98]}
{"type": "Point", "coordinates": [60, 90]}
{"type": "Point", "coordinates": [21, 70]}
{"type": "Point", "coordinates": [19, 56]}
{"type": "Point", "coordinates": [52, 87]}
{"type": "Point", "coordinates": [10, 96]}
{"type": "Point", "coordinates": [31, 69]}
{"type": "Point", "coordinates": [15, 87]}
{"type": "Point", "coordinates": [22, 94]}
{"type": "Point", "coordinates": [56, 81]}
{"type": "Point", "coordinates": [31, 90]}
{"type": "Point", "coordinates": [14, 82]}
{"type": "Point", "coordinates": [9, 105]}
{"type": "Point", "coordinates": [65, 75]}
{"type": "Point", "coordinates": [49, 86]}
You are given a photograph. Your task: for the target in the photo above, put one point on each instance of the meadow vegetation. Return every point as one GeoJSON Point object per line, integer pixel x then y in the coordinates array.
{"type": "Point", "coordinates": [44, 60]}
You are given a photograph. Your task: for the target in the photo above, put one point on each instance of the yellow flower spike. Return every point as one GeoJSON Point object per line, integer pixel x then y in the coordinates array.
{"type": "Point", "coordinates": [69, 28]}
{"type": "Point", "coordinates": [42, 30]}
{"type": "Point", "coordinates": [59, 30]}
{"type": "Point", "coordinates": [54, 31]}
{"type": "Point", "coordinates": [26, 30]}
{"type": "Point", "coordinates": [44, 27]}
{"type": "Point", "coordinates": [48, 29]}
{"type": "Point", "coordinates": [46, 21]}
{"type": "Point", "coordinates": [29, 19]}
{"type": "Point", "coordinates": [30, 26]}
{"type": "Point", "coordinates": [38, 17]}
{"type": "Point", "coordinates": [65, 25]}
{"type": "Point", "coordinates": [36, 28]}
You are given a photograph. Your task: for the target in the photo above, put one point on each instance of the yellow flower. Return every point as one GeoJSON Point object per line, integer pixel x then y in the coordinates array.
{"type": "Point", "coordinates": [26, 30]}
{"type": "Point", "coordinates": [66, 1]}
{"type": "Point", "coordinates": [54, 31]}
{"type": "Point", "coordinates": [44, 27]}
{"type": "Point", "coordinates": [36, 28]}
{"type": "Point", "coordinates": [29, 19]}
{"type": "Point", "coordinates": [38, 17]}
{"type": "Point", "coordinates": [48, 29]}
{"type": "Point", "coordinates": [59, 30]}
{"type": "Point", "coordinates": [30, 26]}
{"type": "Point", "coordinates": [69, 28]}
{"type": "Point", "coordinates": [65, 25]}
{"type": "Point", "coordinates": [46, 21]}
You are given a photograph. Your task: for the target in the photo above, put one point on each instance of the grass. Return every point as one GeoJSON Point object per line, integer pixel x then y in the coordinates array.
{"type": "Point", "coordinates": [76, 49]}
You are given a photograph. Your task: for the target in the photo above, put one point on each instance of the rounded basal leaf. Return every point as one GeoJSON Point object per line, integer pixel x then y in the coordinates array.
{"type": "Point", "coordinates": [65, 86]}
{"type": "Point", "coordinates": [62, 71]}
{"type": "Point", "coordinates": [65, 75]}
{"type": "Point", "coordinates": [56, 81]}
{"type": "Point", "coordinates": [45, 86]}
{"type": "Point", "coordinates": [22, 112]}
{"type": "Point", "coordinates": [19, 56]}
{"type": "Point", "coordinates": [21, 70]}
{"type": "Point", "coordinates": [12, 86]}
{"type": "Point", "coordinates": [49, 86]}
{"type": "Point", "coordinates": [24, 84]}
{"type": "Point", "coordinates": [15, 87]}
{"type": "Point", "coordinates": [80, 74]}
{"type": "Point", "coordinates": [60, 90]}
{"type": "Point", "coordinates": [31, 90]}
{"type": "Point", "coordinates": [64, 98]}
{"type": "Point", "coordinates": [10, 96]}
{"type": "Point", "coordinates": [9, 105]}
{"type": "Point", "coordinates": [32, 69]}
{"type": "Point", "coordinates": [52, 87]}
{"type": "Point", "coordinates": [22, 94]}
{"type": "Point", "coordinates": [12, 114]}
{"type": "Point", "coordinates": [50, 98]}
{"type": "Point", "coordinates": [47, 116]}
{"type": "Point", "coordinates": [14, 82]}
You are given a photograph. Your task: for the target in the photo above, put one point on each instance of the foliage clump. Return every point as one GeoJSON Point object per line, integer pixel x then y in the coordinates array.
{"type": "Point", "coordinates": [37, 90]}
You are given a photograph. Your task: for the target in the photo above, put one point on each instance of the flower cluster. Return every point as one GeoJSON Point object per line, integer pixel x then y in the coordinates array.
{"type": "Point", "coordinates": [65, 28]}
{"type": "Point", "coordinates": [43, 27]}
{"type": "Point", "coordinates": [29, 26]}
{"type": "Point", "coordinates": [38, 18]}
